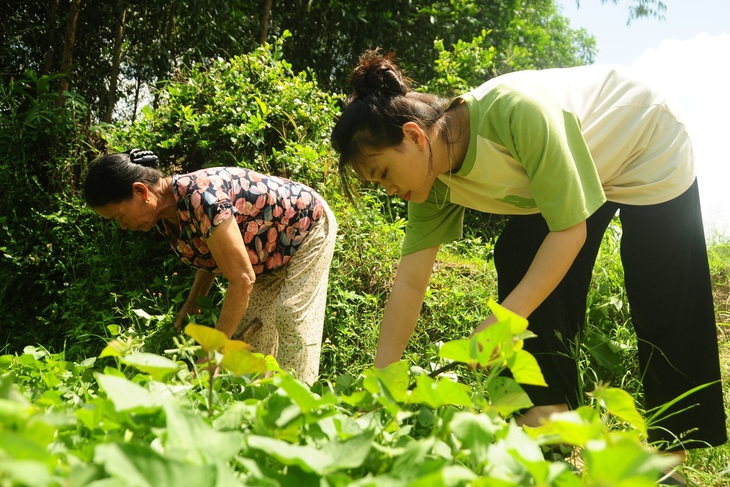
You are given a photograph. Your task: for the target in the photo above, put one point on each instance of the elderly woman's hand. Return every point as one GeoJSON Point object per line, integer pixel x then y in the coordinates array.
{"type": "Point", "coordinates": [190, 308]}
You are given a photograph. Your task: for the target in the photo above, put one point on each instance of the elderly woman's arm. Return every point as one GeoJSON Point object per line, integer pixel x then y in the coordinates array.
{"type": "Point", "coordinates": [201, 286]}
{"type": "Point", "coordinates": [230, 254]}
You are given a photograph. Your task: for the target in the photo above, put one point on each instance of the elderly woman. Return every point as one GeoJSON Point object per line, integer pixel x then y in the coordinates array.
{"type": "Point", "coordinates": [272, 239]}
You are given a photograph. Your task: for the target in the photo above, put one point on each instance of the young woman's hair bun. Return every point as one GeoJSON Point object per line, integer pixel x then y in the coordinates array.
{"type": "Point", "coordinates": [144, 158]}
{"type": "Point", "coordinates": [377, 74]}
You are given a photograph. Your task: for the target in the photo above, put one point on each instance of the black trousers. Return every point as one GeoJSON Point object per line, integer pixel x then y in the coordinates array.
{"type": "Point", "coordinates": [667, 281]}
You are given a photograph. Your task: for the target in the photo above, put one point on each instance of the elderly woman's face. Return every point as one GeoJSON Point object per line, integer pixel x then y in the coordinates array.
{"type": "Point", "coordinates": [134, 213]}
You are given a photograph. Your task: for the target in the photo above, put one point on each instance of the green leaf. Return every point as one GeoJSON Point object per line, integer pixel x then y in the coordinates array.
{"type": "Point", "coordinates": [334, 455]}
{"type": "Point", "coordinates": [506, 396]}
{"type": "Point", "coordinates": [456, 350]}
{"type": "Point", "coordinates": [139, 465]}
{"type": "Point", "coordinates": [600, 349]}
{"type": "Point", "coordinates": [517, 324]}
{"type": "Point", "coordinates": [160, 368]}
{"type": "Point", "coordinates": [448, 476]}
{"type": "Point", "coordinates": [27, 473]}
{"type": "Point", "coordinates": [524, 368]}
{"type": "Point", "coordinates": [20, 447]}
{"type": "Point", "coordinates": [440, 393]}
{"type": "Point", "coordinates": [126, 395]}
{"type": "Point", "coordinates": [392, 379]}
{"type": "Point", "coordinates": [623, 461]}
{"type": "Point", "coordinates": [476, 432]}
{"type": "Point", "coordinates": [492, 345]}
{"type": "Point", "coordinates": [577, 427]}
{"type": "Point", "coordinates": [620, 403]}
{"type": "Point", "coordinates": [302, 395]}
{"type": "Point", "coordinates": [191, 439]}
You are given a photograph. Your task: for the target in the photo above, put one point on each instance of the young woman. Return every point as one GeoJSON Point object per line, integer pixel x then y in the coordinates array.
{"type": "Point", "coordinates": [272, 239]}
{"type": "Point", "coordinates": [561, 150]}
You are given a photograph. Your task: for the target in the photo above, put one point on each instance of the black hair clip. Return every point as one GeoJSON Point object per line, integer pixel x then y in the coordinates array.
{"type": "Point", "coordinates": [143, 157]}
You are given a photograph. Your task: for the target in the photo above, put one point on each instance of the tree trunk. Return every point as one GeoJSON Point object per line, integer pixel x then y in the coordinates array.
{"type": "Point", "coordinates": [52, 15]}
{"type": "Point", "coordinates": [265, 18]}
{"type": "Point", "coordinates": [111, 96]}
{"type": "Point", "coordinates": [68, 49]}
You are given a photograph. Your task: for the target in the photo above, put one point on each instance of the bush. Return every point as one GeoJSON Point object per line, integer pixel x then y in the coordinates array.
{"type": "Point", "coordinates": [250, 110]}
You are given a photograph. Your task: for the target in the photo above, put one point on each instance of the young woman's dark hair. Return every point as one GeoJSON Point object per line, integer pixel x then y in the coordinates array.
{"type": "Point", "coordinates": [110, 177]}
{"type": "Point", "coordinates": [380, 103]}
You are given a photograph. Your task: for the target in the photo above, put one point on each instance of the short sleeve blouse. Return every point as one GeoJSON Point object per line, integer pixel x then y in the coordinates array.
{"type": "Point", "coordinates": [274, 215]}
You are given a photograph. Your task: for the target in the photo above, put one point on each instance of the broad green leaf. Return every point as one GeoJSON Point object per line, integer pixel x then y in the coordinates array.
{"type": "Point", "coordinates": [210, 339]}
{"type": "Point", "coordinates": [125, 395]}
{"type": "Point", "coordinates": [412, 455]}
{"type": "Point", "coordinates": [141, 466]}
{"type": "Point", "coordinates": [577, 427]}
{"type": "Point", "coordinates": [302, 395]}
{"type": "Point", "coordinates": [492, 345]}
{"type": "Point", "coordinates": [14, 412]}
{"type": "Point", "coordinates": [448, 476]}
{"type": "Point", "coordinates": [160, 368]}
{"type": "Point", "coordinates": [192, 440]}
{"type": "Point", "coordinates": [600, 349]}
{"type": "Point", "coordinates": [528, 453]}
{"type": "Point", "coordinates": [439, 393]}
{"type": "Point", "coordinates": [333, 456]}
{"type": "Point", "coordinates": [457, 350]}
{"type": "Point", "coordinates": [620, 403]}
{"type": "Point", "coordinates": [476, 432]}
{"type": "Point", "coordinates": [19, 447]}
{"type": "Point", "coordinates": [623, 461]}
{"type": "Point", "coordinates": [98, 413]}
{"type": "Point", "coordinates": [524, 368]}
{"type": "Point", "coordinates": [506, 396]}
{"type": "Point", "coordinates": [28, 473]}
{"type": "Point", "coordinates": [393, 379]}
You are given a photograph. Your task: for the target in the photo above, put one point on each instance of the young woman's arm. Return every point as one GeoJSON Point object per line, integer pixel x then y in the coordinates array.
{"type": "Point", "coordinates": [404, 305]}
{"type": "Point", "coordinates": [230, 254]}
{"type": "Point", "coordinates": [201, 286]}
{"type": "Point", "coordinates": [552, 261]}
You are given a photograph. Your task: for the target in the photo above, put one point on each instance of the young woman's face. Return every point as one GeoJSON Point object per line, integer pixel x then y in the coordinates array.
{"type": "Point", "coordinates": [134, 213]}
{"type": "Point", "coordinates": [404, 170]}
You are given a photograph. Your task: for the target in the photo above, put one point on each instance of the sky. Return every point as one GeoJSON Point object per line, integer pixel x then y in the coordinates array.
{"type": "Point", "coordinates": [687, 55]}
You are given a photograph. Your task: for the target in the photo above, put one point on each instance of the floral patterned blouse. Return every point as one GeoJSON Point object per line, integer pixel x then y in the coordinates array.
{"type": "Point", "coordinates": [273, 213]}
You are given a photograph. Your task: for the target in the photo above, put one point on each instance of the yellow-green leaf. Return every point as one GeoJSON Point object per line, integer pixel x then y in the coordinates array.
{"type": "Point", "coordinates": [524, 368]}
{"type": "Point", "coordinates": [209, 338]}
{"type": "Point", "coordinates": [240, 360]}
{"type": "Point", "coordinates": [517, 323]}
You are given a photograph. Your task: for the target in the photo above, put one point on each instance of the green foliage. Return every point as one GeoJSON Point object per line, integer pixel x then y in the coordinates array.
{"type": "Point", "coordinates": [148, 420]}
{"type": "Point", "coordinates": [250, 110]}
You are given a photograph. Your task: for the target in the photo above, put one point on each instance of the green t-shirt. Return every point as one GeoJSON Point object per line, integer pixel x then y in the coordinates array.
{"type": "Point", "coordinates": [558, 142]}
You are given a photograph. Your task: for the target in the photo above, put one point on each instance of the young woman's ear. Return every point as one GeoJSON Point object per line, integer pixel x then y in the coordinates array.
{"type": "Point", "coordinates": [413, 132]}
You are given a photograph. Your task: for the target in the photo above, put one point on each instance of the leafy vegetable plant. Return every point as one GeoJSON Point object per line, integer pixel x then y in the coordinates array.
{"type": "Point", "coordinates": [130, 418]}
